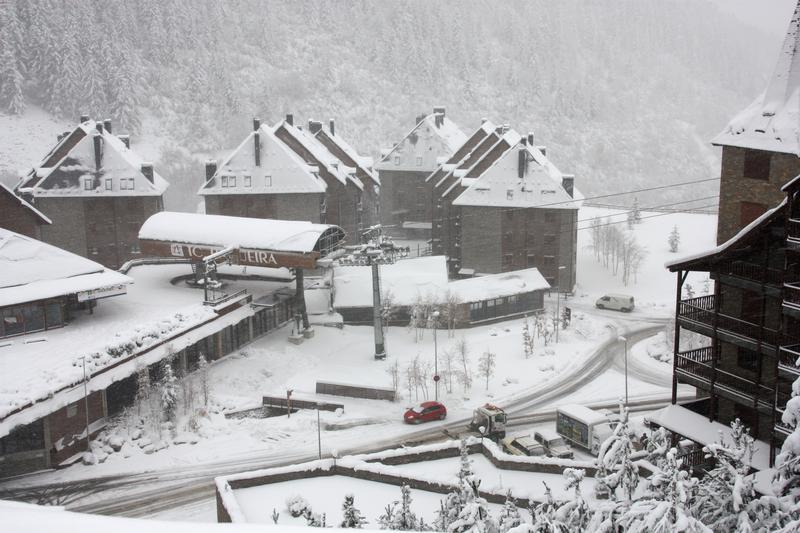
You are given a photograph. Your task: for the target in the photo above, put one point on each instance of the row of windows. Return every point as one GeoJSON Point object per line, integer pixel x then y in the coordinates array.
{"type": "Point", "coordinates": [133, 249]}
{"type": "Point", "coordinates": [31, 317]}
{"type": "Point", "coordinates": [523, 303]}
{"type": "Point", "coordinates": [544, 262]}
{"type": "Point", "coordinates": [397, 161]}
{"type": "Point", "coordinates": [125, 184]}
{"type": "Point", "coordinates": [247, 181]}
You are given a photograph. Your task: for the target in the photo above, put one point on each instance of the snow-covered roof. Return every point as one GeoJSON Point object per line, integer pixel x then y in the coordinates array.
{"type": "Point", "coordinates": [42, 219]}
{"type": "Point", "coordinates": [499, 185]}
{"type": "Point", "coordinates": [764, 218]}
{"type": "Point", "coordinates": [224, 231]}
{"type": "Point", "coordinates": [697, 428]}
{"type": "Point", "coordinates": [406, 280]}
{"type": "Point", "coordinates": [33, 270]}
{"type": "Point", "coordinates": [772, 121]}
{"type": "Point", "coordinates": [320, 155]}
{"type": "Point", "coordinates": [74, 167]}
{"type": "Point", "coordinates": [467, 150]}
{"type": "Point", "coordinates": [433, 137]}
{"type": "Point", "coordinates": [583, 414]}
{"type": "Point", "coordinates": [498, 285]}
{"type": "Point", "coordinates": [281, 170]}
{"type": "Point", "coordinates": [341, 149]}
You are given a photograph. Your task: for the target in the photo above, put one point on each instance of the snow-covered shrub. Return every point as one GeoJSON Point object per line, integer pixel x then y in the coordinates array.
{"type": "Point", "coordinates": [296, 505]}
{"type": "Point", "coordinates": [351, 516]}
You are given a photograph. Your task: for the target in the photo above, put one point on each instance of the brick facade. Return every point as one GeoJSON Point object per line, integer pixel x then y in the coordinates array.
{"type": "Point", "coordinates": [404, 197]}
{"type": "Point", "coordinates": [305, 207]}
{"type": "Point", "coordinates": [17, 217]}
{"type": "Point", "coordinates": [735, 188]}
{"type": "Point", "coordinates": [66, 426]}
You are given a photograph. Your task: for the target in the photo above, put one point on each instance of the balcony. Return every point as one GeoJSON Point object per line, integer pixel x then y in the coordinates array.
{"type": "Point", "coordinates": [788, 357]}
{"type": "Point", "coordinates": [752, 272]}
{"type": "Point", "coordinates": [696, 366]}
{"type": "Point", "coordinates": [701, 311]}
{"type": "Point", "coordinates": [791, 294]}
{"type": "Point", "coordinates": [794, 230]}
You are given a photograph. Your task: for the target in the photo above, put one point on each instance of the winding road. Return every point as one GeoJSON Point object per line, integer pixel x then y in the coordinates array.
{"type": "Point", "coordinates": [142, 494]}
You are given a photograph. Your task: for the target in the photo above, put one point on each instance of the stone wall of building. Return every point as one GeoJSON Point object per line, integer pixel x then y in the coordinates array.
{"type": "Point", "coordinates": [14, 216]}
{"type": "Point", "coordinates": [735, 188]}
{"type": "Point", "coordinates": [404, 197]}
{"type": "Point", "coordinates": [481, 230]}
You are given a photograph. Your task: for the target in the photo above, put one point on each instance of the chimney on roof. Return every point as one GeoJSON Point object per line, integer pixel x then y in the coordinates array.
{"type": "Point", "coordinates": [84, 118]}
{"type": "Point", "coordinates": [530, 138]}
{"type": "Point", "coordinates": [256, 124]}
{"type": "Point", "coordinates": [257, 146]}
{"type": "Point", "coordinates": [99, 127]}
{"type": "Point", "coordinates": [211, 168]}
{"type": "Point", "coordinates": [483, 120]}
{"type": "Point", "coordinates": [438, 116]}
{"type": "Point", "coordinates": [98, 149]}
{"type": "Point", "coordinates": [332, 127]}
{"type": "Point", "coordinates": [522, 162]}
{"type": "Point", "coordinates": [419, 119]}
{"type": "Point", "coordinates": [290, 119]}
{"type": "Point", "coordinates": [314, 126]}
{"type": "Point", "coordinates": [60, 136]}
{"type": "Point", "coordinates": [568, 182]}
{"type": "Point", "coordinates": [524, 141]}
{"type": "Point", "coordinates": [107, 125]}
{"type": "Point", "coordinates": [147, 170]}
{"type": "Point", "coordinates": [126, 140]}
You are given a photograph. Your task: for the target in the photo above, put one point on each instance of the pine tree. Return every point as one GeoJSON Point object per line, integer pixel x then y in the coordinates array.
{"type": "Point", "coordinates": [465, 464]}
{"type": "Point", "coordinates": [786, 483]}
{"type": "Point", "coordinates": [637, 212]}
{"type": "Point", "coordinates": [386, 520]}
{"type": "Point", "coordinates": [574, 514]}
{"type": "Point", "coordinates": [205, 386]}
{"type": "Point", "coordinates": [510, 516]}
{"type": "Point", "coordinates": [674, 239]}
{"type": "Point", "coordinates": [474, 516]}
{"type": "Point", "coordinates": [351, 517]}
{"type": "Point", "coordinates": [169, 393]}
{"type": "Point", "coordinates": [545, 516]}
{"type": "Point", "coordinates": [142, 390]}
{"type": "Point", "coordinates": [404, 518]}
{"type": "Point", "coordinates": [527, 339]}
{"type": "Point", "coordinates": [615, 463]}
{"type": "Point", "coordinates": [664, 510]}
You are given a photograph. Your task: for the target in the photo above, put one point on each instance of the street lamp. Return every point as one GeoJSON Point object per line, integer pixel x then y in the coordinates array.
{"type": "Point", "coordinates": [435, 316]}
{"type": "Point", "coordinates": [319, 434]}
{"type": "Point", "coordinates": [558, 294]}
{"type": "Point", "coordinates": [625, 340]}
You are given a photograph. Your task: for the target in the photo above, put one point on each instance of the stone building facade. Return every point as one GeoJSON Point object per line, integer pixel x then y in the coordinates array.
{"type": "Point", "coordinates": [96, 191]}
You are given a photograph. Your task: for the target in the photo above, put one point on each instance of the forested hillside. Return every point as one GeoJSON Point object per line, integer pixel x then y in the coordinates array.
{"type": "Point", "coordinates": [624, 94]}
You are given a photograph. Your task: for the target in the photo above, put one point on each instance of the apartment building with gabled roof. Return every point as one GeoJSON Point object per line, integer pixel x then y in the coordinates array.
{"type": "Point", "coordinates": [19, 216]}
{"type": "Point", "coordinates": [96, 191]}
{"type": "Point", "coordinates": [405, 195]}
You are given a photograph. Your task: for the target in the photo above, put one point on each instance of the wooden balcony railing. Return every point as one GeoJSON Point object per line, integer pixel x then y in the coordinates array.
{"type": "Point", "coordinates": [701, 310]}
{"type": "Point", "coordinates": [752, 271]}
{"type": "Point", "coordinates": [705, 372]}
{"type": "Point", "coordinates": [789, 356]}
{"type": "Point", "coordinates": [791, 293]}
{"type": "Point", "coordinates": [794, 229]}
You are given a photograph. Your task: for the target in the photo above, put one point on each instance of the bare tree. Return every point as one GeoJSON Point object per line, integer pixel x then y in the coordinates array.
{"type": "Point", "coordinates": [462, 350]}
{"type": "Point", "coordinates": [394, 373]}
{"type": "Point", "coordinates": [448, 356]}
{"type": "Point", "coordinates": [449, 311]}
{"type": "Point", "coordinates": [486, 365]}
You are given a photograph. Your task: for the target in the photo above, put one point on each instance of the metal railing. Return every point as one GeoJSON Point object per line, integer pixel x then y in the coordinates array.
{"type": "Point", "coordinates": [789, 355]}
{"type": "Point", "coordinates": [216, 300]}
{"type": "Point", "coordinates": [791, 293]}
{"type": "Point", "coordinates": [794, 229]}
{"type": "Point", "coordinates": [705, 372]}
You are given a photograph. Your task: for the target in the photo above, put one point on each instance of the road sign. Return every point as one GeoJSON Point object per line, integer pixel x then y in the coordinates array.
{"type": "Point", "coordinates": [436, 377]}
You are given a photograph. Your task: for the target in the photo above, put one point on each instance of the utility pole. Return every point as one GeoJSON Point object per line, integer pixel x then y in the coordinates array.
{"type": "Point", "coordinates": [436, 378]}
{"type": "Point", "coordinates": [377, 249]}
{"type": "Point", "coordinates": [625, 340]}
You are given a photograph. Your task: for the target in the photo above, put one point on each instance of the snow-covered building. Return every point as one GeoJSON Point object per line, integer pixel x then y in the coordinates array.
{"type": "Point", "coordinates": [285, 173]}
{"type": "Point", "coordinates": [54, 336]}
{"type": "Point", "coordinates": [423, 281]}
{"type": "Point", "coordinates": [405, 195]}
{"type": "Point", "coordinates": [761, 145]}
{"type": "Point", "coordinates": [96, 191]}
{"type": "Point", "coordinates": [743, 356]}
{"type": "Point", "coordinates": [499, 205]}
{"type": "Point", "coordinates": [19, 216]}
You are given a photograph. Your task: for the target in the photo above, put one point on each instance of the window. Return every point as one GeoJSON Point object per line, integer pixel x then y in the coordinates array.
{"type": "Point", "coordinates": [550, 239]}
{"type": "Point", "coordinates": [109, 184]}
{"type": "Point", "coordinates": [13, 323]}
{"type": "Point", "coordinates": [531, 260]}
{"type": "Point", "coordinates": [225, 181]}
{"type": "Point", "coordinates": [749, 211]}
{"type": "Point", "coordinates": [135, 248]}
{"type": "Point", "coordinates": [72, 410]}
{"type": "Point", "coordinates": [53, 314]}
{"type": "Point", "coordinates": [549, 218]}
{"type": "Point", "coordinates": [756, 164]}
{"type": "Point", "coordinates": [232, 181]}
{"type": "Point", "coordinates": [267, 181]}
{"type": "Point", "coordinates": [510, 194]}
{"type": "Point", "coordinates": [248, 181]}
{"type": "Point", "coordinates": [34, 317]}
{"type": "Point", "coordinates": [93, 250]}
{"type": "Point", "coordinates": [507, 260]}
{"type": "Point", "coordinates": [126, 184]}
{"type": "Point", "coordinates": [419, 161]}
{"type": "Point", "coordinates": [397, 160]}
{"type": "Point", "coordinates": [88, 184]}
{"type": "Point", "coordinates": [549, 261]}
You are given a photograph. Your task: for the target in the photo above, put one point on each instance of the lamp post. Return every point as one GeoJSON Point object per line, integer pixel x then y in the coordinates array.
{"type": "Point", "coordinates": [435, 316]}
{"type": "Point", "coordinates": [558, 294]}
{"type": "Point", "coordinates": [319, 434]}
{"type": "Point", "coordinates": [625, 340]}
{"type": "Point", "coordinates": [86, 401]}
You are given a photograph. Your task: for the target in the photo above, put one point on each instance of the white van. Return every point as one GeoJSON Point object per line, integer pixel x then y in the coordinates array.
{"type": "Point", "coordinates": [616, 302]}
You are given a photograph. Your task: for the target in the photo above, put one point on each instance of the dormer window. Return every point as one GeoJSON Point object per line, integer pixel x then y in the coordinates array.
{"type": "Point", "coordinates": [88, 184]}
{"type": "Point", "coordinates": [248, 181]}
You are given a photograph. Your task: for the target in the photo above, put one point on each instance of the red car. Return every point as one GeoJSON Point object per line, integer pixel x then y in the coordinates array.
{"type": "Point", "coordinates": [425, 412]}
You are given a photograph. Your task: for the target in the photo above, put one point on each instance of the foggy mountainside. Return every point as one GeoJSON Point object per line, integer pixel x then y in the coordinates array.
{"type": "Point", "coordinates": [618, 95]}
